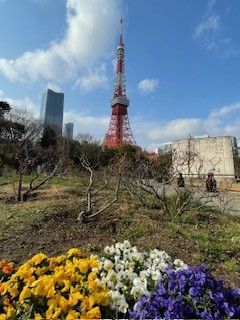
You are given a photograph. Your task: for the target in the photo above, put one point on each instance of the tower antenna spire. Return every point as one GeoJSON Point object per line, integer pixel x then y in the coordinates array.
{"type": "Point", "coordinates": [119, 131]}
{"type": "Point", "coordinates": [121, 31]}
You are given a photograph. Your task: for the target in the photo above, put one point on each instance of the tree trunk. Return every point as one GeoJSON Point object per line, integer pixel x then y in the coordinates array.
{"type": "Point", "coordinates": [20, 182]}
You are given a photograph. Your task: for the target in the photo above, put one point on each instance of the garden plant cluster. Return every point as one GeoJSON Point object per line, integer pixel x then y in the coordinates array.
{"type": "Point", "coordinates": [122, 283]}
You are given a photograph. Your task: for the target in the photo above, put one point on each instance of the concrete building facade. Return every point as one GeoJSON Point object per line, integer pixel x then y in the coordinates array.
{"type": "Point", "coordinates": [199, 156]}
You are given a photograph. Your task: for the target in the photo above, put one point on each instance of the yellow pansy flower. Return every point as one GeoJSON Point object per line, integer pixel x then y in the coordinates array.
{"type": "Point", "coordinates": [30, 280]}
{"type": "Point", "coordinates": [70, 267]}
{"type": "Point", "coordinates": [63, 303]}
{"type": "Point", "coordinates": [93, 285]}
{"type": "Point", "coordinates": [59, 276]}
{"type": "Point", "coordinates": [74, 298]}
{"type": "Point", "coordinates": [10, 311]}
{"type": "Point", "coordinates": [25, 293]}
{"type": "Point", "coordinates": [38, 317]}
{"type": "Point", "coordinates": [76, 277]}
{"type": "Point", "coordinates": [3, 316]}
{"type": "Point", "coordinates": [41, 271]}
{"type": "Point", "coordinates": [25, 272]}
{"type": "Point", "coordinates": [94, 313]}
{"type": "Point", "coordinates": [13, 290]}
{"type": "Point", "coordinates": [92, 276]}
{"type": "Point", "coordinates": [83, 266]}
{"type": "Point", "coordinates": [53, 314]}
{"type": "Point", "coordinates": [88, 302]}
{"type": "Point", "coordinates": [44, 286]}
{"type": "Point", "coordinates": [52, 303]}
{"type": "Point", "coordinates": [73, 315]}
{"type": "Point", "coordinates": [50, 291]}
{"type": "Point", "coordinates": [3, 288]}
{"type": "Point", "coordinates": [38, 258]}
{"type": "Point", "coordinates": [67, 285]}
{"type": "Point", "coordinates": [102, 298]}
{"type": "Point", "coordinates": [70, 275]}
{"type": "Point", "coordinates": [93, 262]}
{"type": "Point", "coordinates": [74, 252]}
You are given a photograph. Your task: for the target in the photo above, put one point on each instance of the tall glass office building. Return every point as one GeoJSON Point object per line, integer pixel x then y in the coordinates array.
{"type": "Point", "coordinates": [52, 110]}
{"type": "Point", "coordinates": [68, 130]}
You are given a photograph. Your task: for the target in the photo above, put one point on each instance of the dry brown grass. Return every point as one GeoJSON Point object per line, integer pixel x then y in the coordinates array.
{"type": "Point", "coordinates": [47, 222]}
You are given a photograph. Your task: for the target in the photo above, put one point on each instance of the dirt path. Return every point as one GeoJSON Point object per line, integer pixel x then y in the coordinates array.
{"type": "Point", "coordinates": [231, 200]}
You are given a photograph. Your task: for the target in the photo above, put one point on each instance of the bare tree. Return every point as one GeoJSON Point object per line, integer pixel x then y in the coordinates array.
{"type": "Point", "coordinates": [84, 138]}
{"type": "Point", "coordinates": [101, 195]}
{"type": "Point", "coordinates": [38, 164]}
{"type": "Point", "coordinates": [156, 186]}
{"type": "Point", "coordinates": [148, 182]}
{"type": "Point", "coordinates": [222, 199]}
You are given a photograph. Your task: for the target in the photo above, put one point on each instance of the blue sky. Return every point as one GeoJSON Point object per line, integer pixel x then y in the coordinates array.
{"type": "Point", "coordinates": [181, 63]}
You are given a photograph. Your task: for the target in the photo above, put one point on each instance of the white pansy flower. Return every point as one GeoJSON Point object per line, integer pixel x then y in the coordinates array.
{"type": "Point", "coordinates": [127, 244]}
{"type": "Point", "coordinates": [137, 281]}
{"type": "Point", "coordinates": [111, 276]}
{"type": "Point", "coordinates": [119, 285]}
{"type": "Point", "coordinates": [108, 265]}
{"type": "Point", "coordinates": [95, 270]}
{"type": "Point", "coordinates": [123, 306]}
{"type": "Point", "coordinates": [129, 274]}
{"type": "Point", "coordinates": [179, 264]}
{"type": "Point", "coordinates": [110, 284]}
{"type": "Point", "coordinates": [155, 275]}
{"type": "Point", "coordinates": [103, 280]}
{"type": "Point", "coordinates": [115, 296]}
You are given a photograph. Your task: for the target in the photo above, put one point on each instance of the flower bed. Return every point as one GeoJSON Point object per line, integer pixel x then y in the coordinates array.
{"type": "Point", "coordinates": [192, 293]}
{"type": "Point", "coordinates": [123, 283]}
{"type": "Point", "coordinates": [64, 287]}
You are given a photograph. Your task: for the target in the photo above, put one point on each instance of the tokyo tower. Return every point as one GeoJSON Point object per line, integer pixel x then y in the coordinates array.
{"type": "Point", "coordinates": [119, 131]}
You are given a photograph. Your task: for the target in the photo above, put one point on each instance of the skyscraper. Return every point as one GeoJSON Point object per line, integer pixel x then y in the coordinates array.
{"type": "Point", "coordinates": [52, 110]}
{"type": "Point", "coordinates": [68, 130]}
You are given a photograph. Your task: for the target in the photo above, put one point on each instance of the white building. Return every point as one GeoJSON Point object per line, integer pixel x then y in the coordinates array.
{"type": "Point", "coordinates": [199, 156]}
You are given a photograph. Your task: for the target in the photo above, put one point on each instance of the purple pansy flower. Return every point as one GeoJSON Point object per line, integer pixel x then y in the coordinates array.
{"type": "Point", "coordinates": [189, 293]}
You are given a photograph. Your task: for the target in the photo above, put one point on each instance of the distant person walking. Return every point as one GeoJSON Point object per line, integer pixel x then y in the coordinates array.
{"type": "Point", "coordinates": [211, 184]}
{"type": "Point", "coordinates": [180, 180]}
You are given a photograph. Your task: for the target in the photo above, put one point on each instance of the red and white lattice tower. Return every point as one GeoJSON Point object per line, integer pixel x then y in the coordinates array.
{"type": "Point", "coordinates": [119, 131]}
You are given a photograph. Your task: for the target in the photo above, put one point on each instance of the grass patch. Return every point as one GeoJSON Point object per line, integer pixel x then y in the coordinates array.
{"type": "Point", "coordinates": [47, 222]}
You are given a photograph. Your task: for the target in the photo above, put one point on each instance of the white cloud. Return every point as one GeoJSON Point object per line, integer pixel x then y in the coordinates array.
{"type": "Point", "coordinates": [95, 77]}
{"type": "Point", "coordinates": [84, 45]}
{"type": "Point", "coordinates": [1, 93]}
{"type": "Point", "coordinates": [212, 34]}
{"type": "Point", "coordinates": [148, 85]}
{"type": "Point", "coordinates": [208, 25]}
{"type": "Point", "coordinates": [83, 123]}
{"type": "Point", "coordinates": [220, 122]}
{"type": "Point", "coordinates": [53, 86]}
{"type": "Point", "coordinates": [224, 120]}
{"type": "Point", "coordinates": [210, 5]}
{"type": "Point", "coordinates": [25, 104]}
{"type": "Point", "coordinates": [222, 112]}
{"type": "Point", "coordinates": [176, 129]}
